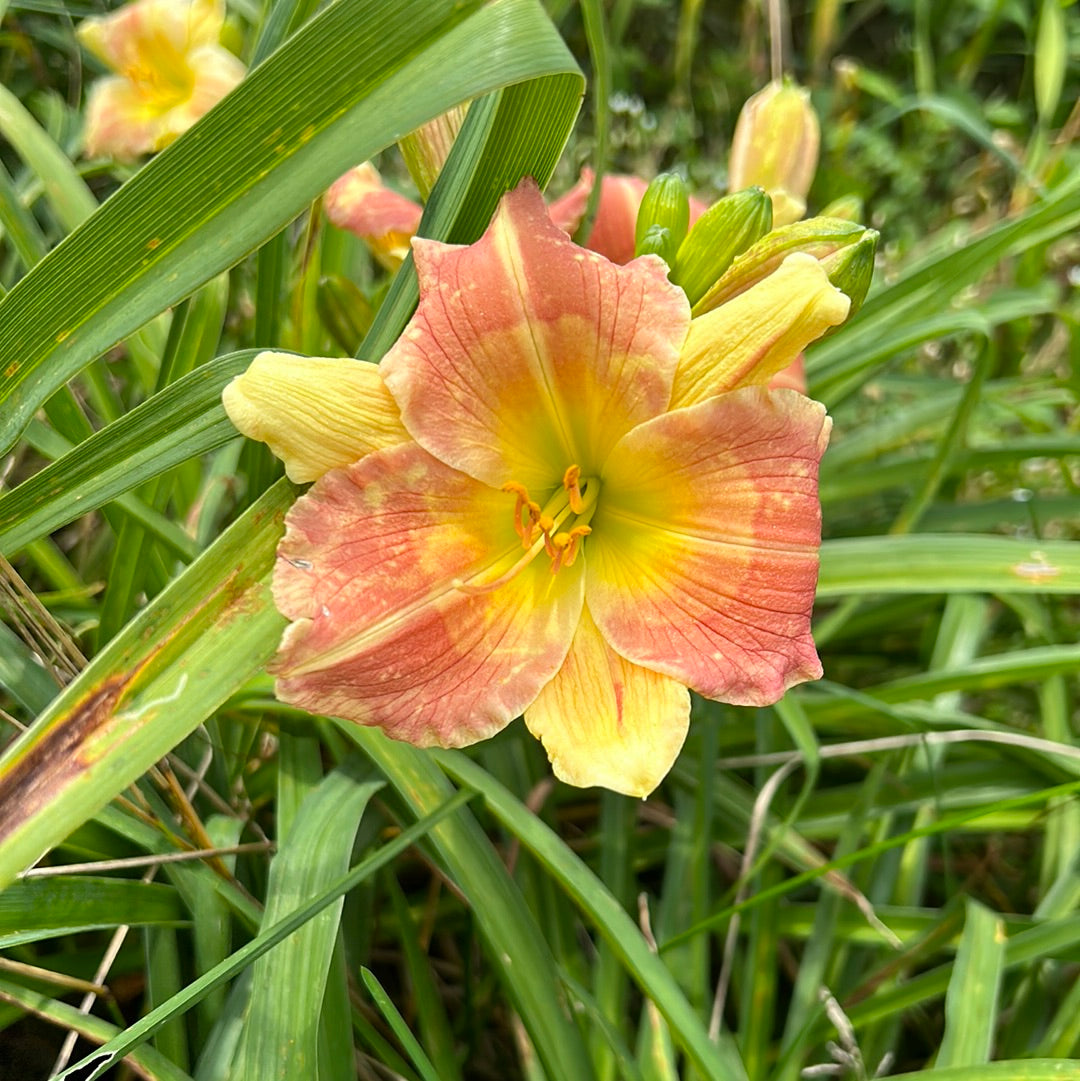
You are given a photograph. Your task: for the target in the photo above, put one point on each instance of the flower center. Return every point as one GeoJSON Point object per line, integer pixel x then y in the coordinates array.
{"type": "Point", "coordinates": [161, 73]}
{"type": "Point", "coordinates": [557, 528]}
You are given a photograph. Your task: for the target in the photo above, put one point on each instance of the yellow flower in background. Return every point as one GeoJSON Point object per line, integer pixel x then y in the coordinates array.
{"type": "Point", "coordinates": [558, 496]}
{"type": "Point", "coordinates": [170, 70]}
{"type": "Point", "coordinates": [775, 147]}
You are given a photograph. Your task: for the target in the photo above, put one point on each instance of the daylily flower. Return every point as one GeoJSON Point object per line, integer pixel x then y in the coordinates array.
{"type": "Point", "coordinates": [386, 220]}
{"type": "Point", "coordinates": [170, 71]}
{"type": "Point", "coordinates": [562, 498]}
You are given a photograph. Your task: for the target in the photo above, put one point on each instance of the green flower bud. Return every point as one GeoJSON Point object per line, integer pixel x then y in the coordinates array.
{"type": "Point", "coordinates": [850, 269]}
{"type": "Point", "coordinates": [819, 237]}
{"type": "Point", "coordinates": [665, 204]}
{"type": "Point", "coordinates": [723, 232]}
{"type": "Point", "coordinates": [848, 207]}
{"type": "Point", "coordinates": [344, 311]}
{"type": "Point", "coordinates": [657, 241]}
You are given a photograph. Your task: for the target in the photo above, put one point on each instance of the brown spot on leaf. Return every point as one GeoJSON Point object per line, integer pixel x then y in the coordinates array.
{"type": "Point", "coordinates": [56, 757]}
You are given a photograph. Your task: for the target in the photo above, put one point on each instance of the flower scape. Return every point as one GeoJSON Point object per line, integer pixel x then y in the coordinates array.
{"type": "Point", "coordinates": [558, 495]}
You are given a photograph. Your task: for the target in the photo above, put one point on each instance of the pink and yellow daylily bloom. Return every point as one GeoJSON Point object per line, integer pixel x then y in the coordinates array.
{"type": "Point", "coordinates": [557, 496]}
{"type": "Point", "coordinates": [360, 202]}
{"type": "Point", "coordinates": [170, 71]}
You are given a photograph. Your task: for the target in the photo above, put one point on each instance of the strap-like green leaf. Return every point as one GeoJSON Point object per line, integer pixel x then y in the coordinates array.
{"type": "Point", "coordinates": [281, 1029]}
{"type": "Point", "coordinates": [953, 563]}
{"type": "Point", "coordinates": [153, 684]}
{"type": "Point", "coordinates": [182, 421]}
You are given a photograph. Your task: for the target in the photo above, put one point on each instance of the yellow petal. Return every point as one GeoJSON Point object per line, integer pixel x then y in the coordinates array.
{"type": "Point", "coordinates": [746, 341]}
{"type": "Point", "coordinates": [314, 413]}
{"type": "Point", "coordinates": [214, 72]}
{"type": "Point", "coordinates": [140, 33]}
{"type": "Point", "coordinates": [604, 721]}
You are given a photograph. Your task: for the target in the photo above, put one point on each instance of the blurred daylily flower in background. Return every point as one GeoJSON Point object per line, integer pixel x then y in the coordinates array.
{"type": "Point", "coordinates": [386, 220]}
{"type": "Point", "coordinates": [170, 71]}
{"type": "Point", "coordinates": [558, 495]}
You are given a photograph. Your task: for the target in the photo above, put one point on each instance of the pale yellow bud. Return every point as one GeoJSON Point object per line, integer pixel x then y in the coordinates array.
{"type": "Point", "coordinates": [425, 150]}
{"type": "Point", "coordinates": [775, 147]}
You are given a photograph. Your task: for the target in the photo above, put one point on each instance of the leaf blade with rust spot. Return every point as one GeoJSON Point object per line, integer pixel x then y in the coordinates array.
{"type": "Point", "coordinates": [177, 661]}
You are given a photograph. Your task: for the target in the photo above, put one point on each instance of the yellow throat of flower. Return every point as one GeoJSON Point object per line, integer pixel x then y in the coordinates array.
{"type": "Point", "coordinates": [556, 528]}
{"type": "Point", "coordinates": [162, 73]}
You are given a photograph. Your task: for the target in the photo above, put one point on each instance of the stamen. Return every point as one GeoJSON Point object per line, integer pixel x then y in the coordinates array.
{"type": "Point", "coordinates": [576, 535]}
{"type": "Point", "coordinates": [524, 527]}
{"type": "Point", "coordinates": [566, 547]}
{"type": "Point", "coordinates": [540, 529]}
{"type": "Point", "coordinates": [570, 483]}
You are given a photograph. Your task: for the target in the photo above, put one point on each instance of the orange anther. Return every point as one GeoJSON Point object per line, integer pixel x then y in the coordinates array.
{"type": "Point", "coordinates": [523, 526]}
{"type": "Point", "coordinates": [570, 483]}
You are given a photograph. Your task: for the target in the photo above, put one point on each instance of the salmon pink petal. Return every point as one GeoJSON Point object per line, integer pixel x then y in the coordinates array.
{"type": "Point", "coordinates": [604, 721]}
{"type": "Point", "coordinates": [793, 377]}
{"type": "Point", "coordinates": [528, 354]}
{"type": "Point", "coordinates": [314, 413]}
{"type": "Point", "coordinates": [702, 562]}
{"type": "Point", "coordinates": [746, 341]}
{"type": "Point", "coordinates": [370, 571]}
{"type": "Point", "coordinates": [612, 233]}
{"type": "Point", "coordinates": [383, 218]}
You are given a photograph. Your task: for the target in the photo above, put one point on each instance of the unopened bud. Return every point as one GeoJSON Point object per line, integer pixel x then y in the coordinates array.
{"type": "Point", "coordinates": [657, 241]}
{"type": "Point", "coordinates": [425, 150]}
{"type": "Point", "coordinates": [848, 207]}
{"type": "Point", "coordinates": [344, 311]}
{"type": "Point", "coordinates": [723, 232]}
{"type": "Point", "coordinates": [667, 205]}
{"type": "Point", "coordinates": [775, 147]}
{"type": "Point", "coordinates": [850, 269]}
{"type": "Point", "coordinates": [819, 237]}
